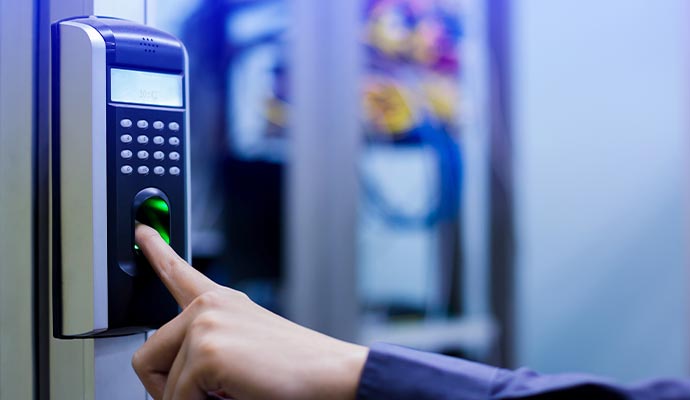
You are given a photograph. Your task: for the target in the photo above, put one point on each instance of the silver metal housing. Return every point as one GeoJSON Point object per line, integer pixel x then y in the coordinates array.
{"type": "Point", "coordinates": [83, 180]}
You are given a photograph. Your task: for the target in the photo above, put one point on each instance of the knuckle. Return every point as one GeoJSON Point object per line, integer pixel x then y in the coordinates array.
{"type": "Point", "coordinates": [205, 335]}
{"type": "Point", "coordinates": [219, 298]}
{"type": "Point", "coordinates": [238, 295]}
{"type": "Point", "coordinates": [206, 348]}
{"type": "Point", "coordinates": [205, 359]}
{"type": "Point", "coordinates": [173, 266]}
{"type": "Point", "coordinates": [210, 299]}
{"type": "Point", "coordinates": [137, 361]}
{"type": "Point", "coordinates": [203, 340]}
{"type": "Point", "coordinates": [230, 295]}
{"type": "Point", "coordinates": [203, 324]}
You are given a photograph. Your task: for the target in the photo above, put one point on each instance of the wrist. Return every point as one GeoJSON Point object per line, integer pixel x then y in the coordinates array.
{"type": "Point", "coordinates": [351, 366]}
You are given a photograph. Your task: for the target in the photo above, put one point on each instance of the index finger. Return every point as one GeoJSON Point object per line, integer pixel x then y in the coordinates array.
{"type": "Point", "coordinates": [183, 281]}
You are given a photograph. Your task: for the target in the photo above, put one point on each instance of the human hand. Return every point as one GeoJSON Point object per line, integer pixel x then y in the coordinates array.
{"type": "Point", "coordinates": [224, 343]}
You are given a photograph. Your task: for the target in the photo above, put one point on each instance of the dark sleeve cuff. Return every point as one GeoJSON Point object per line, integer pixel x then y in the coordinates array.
{"type": "Point", "coordinates": [393, 372]}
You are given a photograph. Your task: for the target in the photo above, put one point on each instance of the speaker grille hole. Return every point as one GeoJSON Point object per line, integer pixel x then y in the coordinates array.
{"type": "Point", "coordinates": [148, 44]}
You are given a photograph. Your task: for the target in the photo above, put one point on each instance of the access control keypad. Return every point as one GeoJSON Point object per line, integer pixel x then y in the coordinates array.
{"type": "Point", "coordinates": [150, 146]}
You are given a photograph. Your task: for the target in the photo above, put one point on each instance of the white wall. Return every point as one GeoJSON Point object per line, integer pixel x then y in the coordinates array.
{"type": "Point", "coordinates": [601, 140]}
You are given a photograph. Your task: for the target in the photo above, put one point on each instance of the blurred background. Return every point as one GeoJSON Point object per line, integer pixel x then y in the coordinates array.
{"type": "Point", "coordinates": [502, 181]}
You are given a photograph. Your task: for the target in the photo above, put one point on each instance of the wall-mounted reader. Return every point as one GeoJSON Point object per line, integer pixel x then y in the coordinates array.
{"type": "Point", "coordinates": [120, 149]}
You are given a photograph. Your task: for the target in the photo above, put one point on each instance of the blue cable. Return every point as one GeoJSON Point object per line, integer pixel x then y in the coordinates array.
{"type": "Point", "coordinates": [450, 169]}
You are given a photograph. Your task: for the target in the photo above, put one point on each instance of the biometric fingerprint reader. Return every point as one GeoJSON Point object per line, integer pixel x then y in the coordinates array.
{"type": "Point", "coordinates": [120, 154]}
{"type": "Point", "coordinates": [153, 210]}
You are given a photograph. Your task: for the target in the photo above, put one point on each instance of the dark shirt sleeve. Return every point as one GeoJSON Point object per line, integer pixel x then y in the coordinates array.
{"type": "Point", "coordinates": [393, 372]}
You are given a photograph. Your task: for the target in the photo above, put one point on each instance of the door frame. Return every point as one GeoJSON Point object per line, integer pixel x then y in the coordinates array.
{"type": "Point", "coordinates": [17, 130]}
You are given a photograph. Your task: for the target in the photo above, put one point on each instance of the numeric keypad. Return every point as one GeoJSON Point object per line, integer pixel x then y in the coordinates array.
{"type": "Point", "coordinates": [160, 144]}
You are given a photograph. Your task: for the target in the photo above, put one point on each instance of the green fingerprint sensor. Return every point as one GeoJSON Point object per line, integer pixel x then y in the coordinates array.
{"type": "Point", "coordinates": [155, 212]}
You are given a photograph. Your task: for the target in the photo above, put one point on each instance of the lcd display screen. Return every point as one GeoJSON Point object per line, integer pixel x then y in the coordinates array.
{"type": "Point", "coordinates": [140, 87]}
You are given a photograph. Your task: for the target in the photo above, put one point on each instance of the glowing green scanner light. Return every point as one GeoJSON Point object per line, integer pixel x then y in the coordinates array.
{"type": "Point", "coordinates": [155, 213]}
{"type": "Point", "coordinates": [158, 204]}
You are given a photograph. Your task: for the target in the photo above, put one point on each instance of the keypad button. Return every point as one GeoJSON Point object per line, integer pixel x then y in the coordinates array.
{"type": "Point", "coordinates": [126, 138]}
{"type": "Point", "coordinates": [158, 125]}
{"type": "Point", "coordinates": [159, 170]}
{"type": "Point", "coordinates": [174, 126]}
{"type": "Point", "coordinates": [143, 170]}
{"type": "Point", "coordinates": [158, 140]}
{"type": "Point", "coordinates": [143, 155]}
{"type": "Point", "coordinates": [142, 139]}
{"type": "Point", "coordinates": [142, 124]}
{"type": "Point", "coordinates": [158, 155]}
{"type": "Point", "coordinates": [126, 169]}
{"type": "Point", "coordinates": [174, 141]}
{"type": "Point", "coordinates": [174, 155]}
{"type": "Point", "coordinates": [174, 171]}
{"type": "Point", "coordinates": [126, 154]}
{"type": "Point", "coordinates": [126, 123]}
